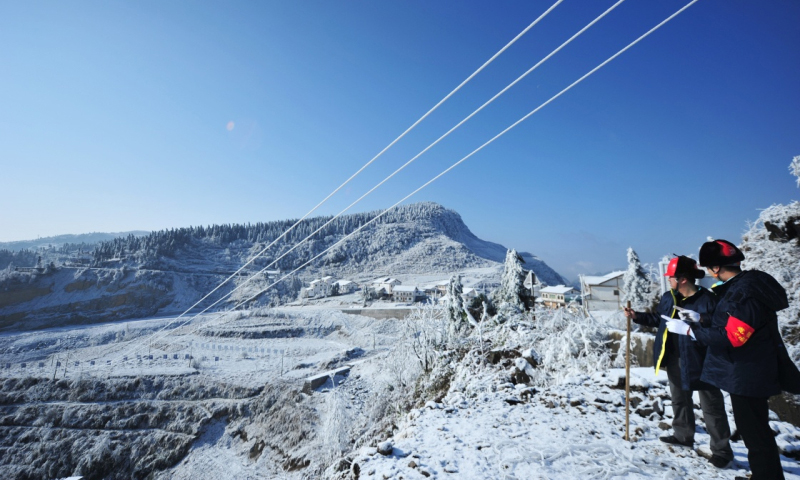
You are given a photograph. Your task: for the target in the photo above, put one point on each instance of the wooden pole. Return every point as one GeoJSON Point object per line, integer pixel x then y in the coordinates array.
{"type": "Point", "coordinates": [628, 381]}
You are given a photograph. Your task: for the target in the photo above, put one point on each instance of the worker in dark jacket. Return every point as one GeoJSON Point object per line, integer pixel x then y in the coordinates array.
{"type": "Point", "coordinates": [683, 360]}
{"type": "Point", "coordinates": [742, 356]}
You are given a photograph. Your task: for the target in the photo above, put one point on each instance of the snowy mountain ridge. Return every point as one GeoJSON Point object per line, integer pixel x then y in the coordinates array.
{"type": "Point", "coordinates": [168, 271]}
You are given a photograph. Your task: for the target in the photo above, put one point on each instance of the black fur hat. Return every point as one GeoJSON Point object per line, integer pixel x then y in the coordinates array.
{"type": "Point", "coordinates": [720, 253]}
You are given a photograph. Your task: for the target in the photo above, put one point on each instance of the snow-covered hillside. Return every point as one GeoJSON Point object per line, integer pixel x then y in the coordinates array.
{"type": "Point", "coordinates": [168, 271]}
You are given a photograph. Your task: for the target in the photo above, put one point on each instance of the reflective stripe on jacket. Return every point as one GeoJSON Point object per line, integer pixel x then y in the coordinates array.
{"type": "Point", "coordinates": [691, 353]}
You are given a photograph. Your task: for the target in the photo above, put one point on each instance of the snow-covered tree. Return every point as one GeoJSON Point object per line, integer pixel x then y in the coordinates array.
{"type": "Point", "coordinates": [511, 288]}
{"type": "Point", "coordinates": [794, 167]}
{"type": "Point", "coordinates": [636, 285]}
{"type": "Point", "coordinates": [455, 302]}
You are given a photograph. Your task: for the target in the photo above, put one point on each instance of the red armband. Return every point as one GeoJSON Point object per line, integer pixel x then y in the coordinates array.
{"type": "Point", "coordinates": [738, 331]}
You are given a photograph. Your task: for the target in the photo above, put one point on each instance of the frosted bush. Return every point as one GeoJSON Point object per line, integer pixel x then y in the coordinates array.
{"type": "Point", "coordinates": [335, 422]}
{"type": "Point", "coordinates": [569, 343]}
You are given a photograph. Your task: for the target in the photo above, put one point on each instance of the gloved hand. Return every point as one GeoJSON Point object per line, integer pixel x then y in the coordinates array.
{"type": "Point", "coordinates": [678, 326]}
{"type": "Point", "coordinates": [688, 315]}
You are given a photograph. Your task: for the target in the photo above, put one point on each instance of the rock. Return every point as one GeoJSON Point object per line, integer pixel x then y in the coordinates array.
{"type": "Point", "coordinates": [512, 401]}
{"type": "Point", "coordinates": [550, 404]}
{"type": "Point", "coordinates": [576, 402]}
{"type": "Point", "coordinates": [495, 356]}
{"type": "Point", "coordinates": [532, 357]}
{"type": "Point", "coordinates": [664, 425]}
{"type": "Point", "coordinates": [526, 393]}
{"type": "Point", "coordinates": [645, 411]}
{"type": "Point", "coordinates": [385, 448]}
{"type": "Point", "coordinates": [412, 464]}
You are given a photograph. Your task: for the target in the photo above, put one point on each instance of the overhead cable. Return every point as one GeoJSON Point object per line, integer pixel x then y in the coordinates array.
{"type": "Point", "coordinates": [573, 84]}
{"type": "Point", "coordinates": [264, 250]}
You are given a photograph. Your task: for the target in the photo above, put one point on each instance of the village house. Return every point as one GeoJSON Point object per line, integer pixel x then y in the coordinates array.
{"type": "Point", "coordinates": [469, 294]}
{"type": "Point", "coordinates": [406, 294]}
{"type": "Point", "coordinates": [556, 296]}
{"type": "Point", "coordinates": [386, 283]}
{"type": "Point", "coordinates": [316, 288]}
{"type": "Point", "coordinates": [345, 286]}
{"type": "Point", "coordinates": [602, 293]}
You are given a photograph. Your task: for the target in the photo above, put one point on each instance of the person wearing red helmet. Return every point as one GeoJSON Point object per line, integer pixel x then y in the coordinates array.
{"type": "Point", "coordinates": [743, 341]}
{"type": "Point", "coordinates": [683, 359]}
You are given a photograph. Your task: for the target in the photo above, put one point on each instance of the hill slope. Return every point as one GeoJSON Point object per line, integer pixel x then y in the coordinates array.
{"type": "Point", "coordinates": [166, 272]}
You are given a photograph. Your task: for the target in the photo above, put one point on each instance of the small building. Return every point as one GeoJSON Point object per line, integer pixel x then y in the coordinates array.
{"type": "Point", "coordinates": [469, 294]}
{"type": "Point", "coordinates": [387, 283]}
{"type": "Point", "coordinates": [406, 294]}
{"type": "Point", "coordinates": [345, 286]}
{"type": "Point", "coordinates": [556, 296]}
{"type": "Point", "coordinates": [602, 293]}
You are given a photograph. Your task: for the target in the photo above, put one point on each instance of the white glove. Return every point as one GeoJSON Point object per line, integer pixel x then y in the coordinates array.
{"type": "Point", "coordinates": [679, 326]}
{"type": "Point", "coordinates": [688, 315]}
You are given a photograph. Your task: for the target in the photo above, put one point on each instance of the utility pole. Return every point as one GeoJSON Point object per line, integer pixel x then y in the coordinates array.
{"type": "Point", "coordinates": [628, 381]}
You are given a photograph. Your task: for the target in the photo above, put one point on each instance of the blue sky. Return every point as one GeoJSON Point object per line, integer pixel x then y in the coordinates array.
{"type": "Point", "coordinates": [115, 116]}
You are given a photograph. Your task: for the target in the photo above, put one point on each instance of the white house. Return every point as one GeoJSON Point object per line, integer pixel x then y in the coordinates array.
{"type": "Point", "coordinates": [555, 296]}
{"type": "Point", "coordinates": [316, 288]}
{"type": "Point", "coordinates": [406, 294]}
{"type": "Point", "coordinates": [346, 286]}
{"type": "Point", "coordinates": [602, 293]}
{"type": "Point", "coordinates": [469, 294]}
{"type": "Point", "coordinates": [386, 283]}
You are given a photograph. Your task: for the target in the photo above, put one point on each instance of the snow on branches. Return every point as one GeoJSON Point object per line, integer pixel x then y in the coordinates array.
{"type": "Point", "coordinates": [511, 284]}
{"type": "Point", "coordinates": [636, 284]}
{"type": "Point", "coordinates": [794, 167]}
{"type": "Point", "coordinates": [455, 302]}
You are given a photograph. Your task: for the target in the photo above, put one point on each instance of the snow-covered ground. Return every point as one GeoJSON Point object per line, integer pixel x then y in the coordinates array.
{"type": "Point", "coordinates": [485, 428]}
{"type": "Point", "coordinates": [566, 422]}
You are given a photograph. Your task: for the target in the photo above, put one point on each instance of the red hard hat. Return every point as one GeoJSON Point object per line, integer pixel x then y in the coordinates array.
{"type": "Point", "coordinates": [683, 266]}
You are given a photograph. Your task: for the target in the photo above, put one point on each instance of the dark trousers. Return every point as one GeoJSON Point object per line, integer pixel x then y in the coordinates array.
{"type": "Point", "coordinates": [711, 402]}
{"type": "Point", "coordinates": [752, 421]}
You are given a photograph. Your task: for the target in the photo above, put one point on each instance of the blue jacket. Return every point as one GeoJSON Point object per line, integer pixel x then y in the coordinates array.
{"type": "Point", "coordinates": [691, 353]}
{"type": "Point", "coordinates": [742, 358]}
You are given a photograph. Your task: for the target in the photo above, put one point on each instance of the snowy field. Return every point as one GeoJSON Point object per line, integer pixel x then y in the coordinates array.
{"type": "Point", "coordinates": [485, 428]}
{"type": "Point", "coordinates": [237, 408]}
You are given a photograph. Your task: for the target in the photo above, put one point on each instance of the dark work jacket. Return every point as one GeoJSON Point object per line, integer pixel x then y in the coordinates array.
{"type": "Point", "coordinates": [692, 354]}
{"type": "Point", "coordinates": [751, 369]}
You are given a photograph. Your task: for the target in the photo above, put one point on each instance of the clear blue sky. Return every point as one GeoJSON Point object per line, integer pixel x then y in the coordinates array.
{"type": "Point", "coordinates": [115, 116]}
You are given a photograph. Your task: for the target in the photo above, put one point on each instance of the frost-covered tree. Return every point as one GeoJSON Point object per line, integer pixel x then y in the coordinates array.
{"type": "Point", "coordinates": [636, 285]}
{"type": "Point", "coordinates": [455, 302]}
{"type": "Point", "coordinates": [511, 289]}
{"type": "Point", "coordinates": [794, 167]}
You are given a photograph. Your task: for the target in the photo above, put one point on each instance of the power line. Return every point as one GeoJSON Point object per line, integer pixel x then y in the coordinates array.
{"type": "Point", "coordinates": [485, 104]}
{"type": "Point", "coordinates": [264, 250]}
{"type": "Point", "coordinates": [573, 84]}
{"type": "Point", "coordinates": [462, 159]}
{"type": "Point", "coordinates": [523, 32]}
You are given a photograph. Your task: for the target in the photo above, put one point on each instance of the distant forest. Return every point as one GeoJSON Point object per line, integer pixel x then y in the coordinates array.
{"type": "Point", "coordinates": [18, 258]}
{"type": "Point", "coordinates": [167, 244]}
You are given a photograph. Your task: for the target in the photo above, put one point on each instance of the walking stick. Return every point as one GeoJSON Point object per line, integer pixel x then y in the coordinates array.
{"type": "Point", "coordinates": [628, 381]}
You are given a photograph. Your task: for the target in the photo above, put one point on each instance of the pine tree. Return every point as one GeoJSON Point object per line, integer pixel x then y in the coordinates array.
{"type": "Point", "coordinates": [635, 283]}
{"type": "Point", "coordinates": [455, 302]}
{"type": "Point", "coordinates": [794, 167]}
{"type": "Point", "coordinates": [511, 289]}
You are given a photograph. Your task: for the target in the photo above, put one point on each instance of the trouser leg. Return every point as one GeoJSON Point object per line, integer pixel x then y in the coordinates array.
{"type": "Point", "coordinates": [752, 420]}
{"type": "Point", "coordinates": [682, 407]}
{"type": "Point", "coordinates": [713, 404]}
